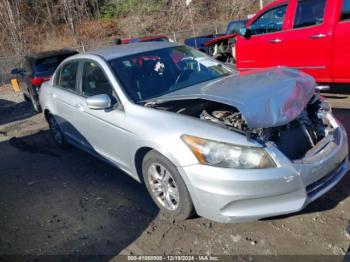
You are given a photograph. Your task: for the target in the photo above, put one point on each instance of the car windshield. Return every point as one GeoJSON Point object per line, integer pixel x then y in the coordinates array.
{"type": "Point", "coordinates": [151, 74]}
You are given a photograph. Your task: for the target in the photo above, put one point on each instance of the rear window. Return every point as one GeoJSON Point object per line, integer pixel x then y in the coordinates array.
{"type": "Point", "coordinates": [345, 15]}
{"type": "Point", "coordinates": [309, 13]}
{"type": "Point", "coordinates": [49, 64]}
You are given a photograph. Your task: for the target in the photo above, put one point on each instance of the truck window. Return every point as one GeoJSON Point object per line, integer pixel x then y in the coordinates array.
{"type": "Point", "coordinates": [269, 22]}
{"type": "Point", "coordinates": [345, 15]}
{"type": "Point", "coordinates": [309, 13]}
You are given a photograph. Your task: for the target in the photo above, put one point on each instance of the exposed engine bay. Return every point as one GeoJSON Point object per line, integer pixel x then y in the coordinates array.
{"type": "Point", "coordinates": [223, 50]}
{"type": "Point", "coordinates": [294, 139]}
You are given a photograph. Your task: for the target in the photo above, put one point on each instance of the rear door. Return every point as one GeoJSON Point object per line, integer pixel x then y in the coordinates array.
{"type": "Point", "coordinates": [341, 44]}
{"type": "Point", "coordinates": [64, 95]}
{"type": "Point", "coordinates": [308, 41]}
{"type": "Point", "coordinates": [263, 48]}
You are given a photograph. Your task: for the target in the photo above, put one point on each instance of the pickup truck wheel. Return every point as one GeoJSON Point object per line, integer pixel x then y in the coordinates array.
{"type": "Point", "coordinates": [35, 102]}
{"type": "Point", "coordinates": [166, 186]}
{"type": "Point", "coordinates": [56, 132]}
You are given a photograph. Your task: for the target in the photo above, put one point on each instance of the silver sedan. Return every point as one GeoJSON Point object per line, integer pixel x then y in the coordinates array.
{"type": "Point", "coordinates": [202, 138]}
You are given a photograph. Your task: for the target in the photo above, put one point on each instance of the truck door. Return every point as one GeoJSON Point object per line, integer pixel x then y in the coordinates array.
{"type": "Point", "coordinates": [308, 42]}
{"type": "Point", "coordinates": [341, 44]}
{"type": "Point", "coordinates": [263, 47]}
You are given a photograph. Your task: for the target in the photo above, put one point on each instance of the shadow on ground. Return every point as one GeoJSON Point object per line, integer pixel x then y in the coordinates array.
{"type": "Point", "coordinates": [342, 89]}
{"type": "Point", "coordinates": [11, 111]}
{"type": "Point", "coordinates": [55, 201]}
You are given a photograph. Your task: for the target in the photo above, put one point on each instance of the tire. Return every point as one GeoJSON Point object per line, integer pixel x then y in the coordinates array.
{"type": "Point", "coordinates": [26, 98]}
{"type": "Point", "coordinates": [35, 102]}
{"type": "Point", "coordinates": [155, 168]}
{"type": "Point", "coordinates": [56, 133]}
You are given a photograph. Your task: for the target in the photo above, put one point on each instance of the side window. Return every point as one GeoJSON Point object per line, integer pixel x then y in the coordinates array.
{"type": "Point", "coordinates": [309, 13]}
{"type": "Point", "coordinates": [68, 76]}
{"type": "Point", "coordinates": [345, 14]}
{"type": "Point", "coordinates": [271, 21]}
{"type": "Point", "coordinates": [94, 80]}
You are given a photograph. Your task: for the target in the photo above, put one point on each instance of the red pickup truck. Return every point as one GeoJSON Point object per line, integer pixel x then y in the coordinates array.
{"type": "Point", "coordinates": [310, 35]}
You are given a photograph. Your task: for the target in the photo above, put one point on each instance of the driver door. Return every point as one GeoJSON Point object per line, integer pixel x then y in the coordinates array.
{"type": "Point", "coordinates": [264, 47]}
{"type": "Point", "coordinates": [103, 132]}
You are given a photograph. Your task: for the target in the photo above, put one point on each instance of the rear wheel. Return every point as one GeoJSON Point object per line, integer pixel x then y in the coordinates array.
{"type": "Point", "coordinates": [56, 132]}
{"type": "Point", "coordinates": [26, 98]}
{"type": "Point", "coordinates": [35, 102]}
{"type": "Point", "coordinates": [166, 186]}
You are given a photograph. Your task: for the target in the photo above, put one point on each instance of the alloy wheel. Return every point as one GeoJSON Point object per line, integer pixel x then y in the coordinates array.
{"type": "Point", "coordinates": [163, 186]}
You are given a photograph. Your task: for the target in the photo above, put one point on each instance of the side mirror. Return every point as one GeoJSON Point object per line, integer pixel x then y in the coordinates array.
{"type": "Point", "coordinates": [99, 102]}
{"type": "Point", "coordinates": [14, 71]}
{"type": "Point", "coordinates": [245, 32]}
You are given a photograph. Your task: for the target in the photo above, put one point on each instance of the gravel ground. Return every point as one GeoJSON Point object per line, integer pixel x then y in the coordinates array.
{"type": "Point", "coordinates": [55, 201]}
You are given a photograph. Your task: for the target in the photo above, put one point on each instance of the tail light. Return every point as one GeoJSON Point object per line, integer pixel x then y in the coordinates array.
{"type": "Point", "coordinates": [37, 81]}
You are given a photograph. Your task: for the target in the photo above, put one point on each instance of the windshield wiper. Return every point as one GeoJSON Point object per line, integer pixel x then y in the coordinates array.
{"type": "Point", "coordinates": [148, 103]}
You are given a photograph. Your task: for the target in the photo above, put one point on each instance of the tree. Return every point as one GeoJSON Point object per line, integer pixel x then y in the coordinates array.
{"type": "Point", "coordinates": [12, 23]}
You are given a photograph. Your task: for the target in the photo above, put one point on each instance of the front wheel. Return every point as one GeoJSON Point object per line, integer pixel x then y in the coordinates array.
{"type": "Point", "coordinates": [56, 132]}
{"type": "Point", "coordinates": [166, 186]}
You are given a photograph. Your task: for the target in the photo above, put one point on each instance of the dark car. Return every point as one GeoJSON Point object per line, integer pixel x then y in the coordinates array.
{"type": "Point", "coordinates": [202, 43]}
{"type": "Point", "coordinates": [199, 41]}
{"type": "Point", "coordinates": [37, 68]}
{"type": "Point", "coordinates": [154, 38]}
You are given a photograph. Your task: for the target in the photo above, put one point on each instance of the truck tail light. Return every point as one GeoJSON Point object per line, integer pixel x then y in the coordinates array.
{"type": "Point", "coordinates": [37, 81]}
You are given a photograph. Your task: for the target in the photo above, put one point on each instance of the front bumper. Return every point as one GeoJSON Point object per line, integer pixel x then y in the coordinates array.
{"type": "Point", "coordinates": [227, 195]}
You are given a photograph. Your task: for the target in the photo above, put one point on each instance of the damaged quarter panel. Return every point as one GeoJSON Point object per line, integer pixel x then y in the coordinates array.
{"type": "Point", "coordinates": [266, 98]}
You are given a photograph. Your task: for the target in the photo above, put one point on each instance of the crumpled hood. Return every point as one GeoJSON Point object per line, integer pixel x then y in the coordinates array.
{"type": "Point", "coordinates": [266, 98]}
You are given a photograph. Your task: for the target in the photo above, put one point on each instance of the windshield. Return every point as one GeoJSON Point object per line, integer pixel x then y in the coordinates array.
{"type": "Point", "coordinates": [152, 74]}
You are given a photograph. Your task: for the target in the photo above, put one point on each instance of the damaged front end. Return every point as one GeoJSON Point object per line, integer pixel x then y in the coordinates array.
{"type": "Point", "coordinates": [222, 48]}
{"type": "Point", "coordinates": [292, 116]}
{"type": "Point", "coordinates": [294, 139]}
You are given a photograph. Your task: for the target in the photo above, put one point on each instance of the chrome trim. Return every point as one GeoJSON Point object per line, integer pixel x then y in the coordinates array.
{"type": "Point", "coordinates": [294, 67]}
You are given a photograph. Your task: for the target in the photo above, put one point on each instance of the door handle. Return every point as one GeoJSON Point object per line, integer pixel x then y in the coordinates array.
{"type": "Point", "coordinates": [274, 41]}
{"type": "Point", "coordinates": [318, 36]}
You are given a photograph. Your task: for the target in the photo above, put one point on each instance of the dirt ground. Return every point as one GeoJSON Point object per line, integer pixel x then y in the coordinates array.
{"type": "Point", "coordinates": [55, 201]}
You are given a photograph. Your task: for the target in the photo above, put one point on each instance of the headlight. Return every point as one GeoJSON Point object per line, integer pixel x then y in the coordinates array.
{"type": "Point", "coordinates": [226, 155]}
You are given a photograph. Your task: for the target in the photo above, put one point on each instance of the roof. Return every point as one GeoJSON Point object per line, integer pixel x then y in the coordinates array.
{"type": "Point", "coordinates": [144, 39]}
{"type": "Point", "coordinates": [50, 53]}
{"type": "Point", "coordinates": [117, 51]}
